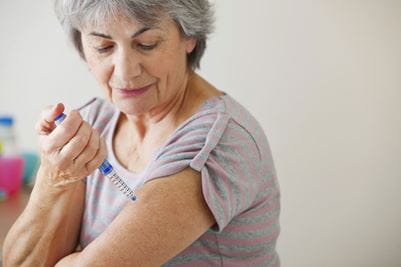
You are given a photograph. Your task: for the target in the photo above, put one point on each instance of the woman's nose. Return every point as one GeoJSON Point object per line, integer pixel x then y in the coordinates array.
{"type": "Point", "coordinates": [127, 66]}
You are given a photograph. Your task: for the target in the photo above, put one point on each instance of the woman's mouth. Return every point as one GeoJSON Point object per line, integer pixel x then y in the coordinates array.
{"type": "Point", "coordinates": [126, 92]}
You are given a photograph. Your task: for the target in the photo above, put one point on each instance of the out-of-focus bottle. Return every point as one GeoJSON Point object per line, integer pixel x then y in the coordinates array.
{"type": "Point", "coordinates": [8, 144]}
{"type": "Point", "coordinates": [11, 162]}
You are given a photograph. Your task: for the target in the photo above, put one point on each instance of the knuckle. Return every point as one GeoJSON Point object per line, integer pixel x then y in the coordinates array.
{"type": "Point", "coordinates": [76, 115]}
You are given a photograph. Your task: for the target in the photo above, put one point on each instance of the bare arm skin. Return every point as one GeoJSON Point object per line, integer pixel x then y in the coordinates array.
{"type": "Point", "coordinates": [48, 228]}
{"type": "Point", "coordinates": [169, 214]}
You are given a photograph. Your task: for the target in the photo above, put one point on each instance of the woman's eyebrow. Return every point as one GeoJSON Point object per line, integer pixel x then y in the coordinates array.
{"type": "Point", "coordinates": [139, 32]}
{"type": "Point", "coordinates": [100, 35]}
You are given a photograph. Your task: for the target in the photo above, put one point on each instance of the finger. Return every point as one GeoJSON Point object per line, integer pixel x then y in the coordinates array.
{"type": "Point", "coordinates": [77, 143]}
{"type": "Point", "coordinates": [64, 132]}
{"type": "Point", "coordinates": [46, 123]}
{"type": "Point", "coordinates": [90, 150]}
{"type": "Point", "coordinates": [100, 156]}
{"type": "Point", "coordinates": [50, 114]}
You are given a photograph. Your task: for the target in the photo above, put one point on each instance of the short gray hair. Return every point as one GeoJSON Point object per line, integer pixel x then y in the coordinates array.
{"type": "Point", "coordinates": [194, 18]}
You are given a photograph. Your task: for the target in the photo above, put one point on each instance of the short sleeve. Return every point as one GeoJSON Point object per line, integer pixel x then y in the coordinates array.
{"type": "Point", "coordinates": [231, 178]}
{"type": "Point", "coordinates": [189, 146]}
{"type": "Point", "coordinates": [227, 157]}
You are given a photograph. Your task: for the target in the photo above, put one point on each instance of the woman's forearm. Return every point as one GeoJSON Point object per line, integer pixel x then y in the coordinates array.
{"type": "Point", "coordinates": [48, 228]}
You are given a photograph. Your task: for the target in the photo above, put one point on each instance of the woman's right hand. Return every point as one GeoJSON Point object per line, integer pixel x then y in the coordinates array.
{"type": "Point", "coordinates": [69, 152]}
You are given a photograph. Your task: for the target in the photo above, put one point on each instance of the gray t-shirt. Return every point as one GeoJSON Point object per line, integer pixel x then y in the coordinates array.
{"type": "Point", "coordinates": [225, 143]}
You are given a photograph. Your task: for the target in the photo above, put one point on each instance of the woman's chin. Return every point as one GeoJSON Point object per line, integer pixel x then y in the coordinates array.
{"type": "Point", "coordinates": [131, 107]}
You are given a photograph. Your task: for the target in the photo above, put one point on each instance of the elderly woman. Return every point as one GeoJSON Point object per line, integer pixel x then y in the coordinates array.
{"type": "Point", "coordinates": [200, 164]}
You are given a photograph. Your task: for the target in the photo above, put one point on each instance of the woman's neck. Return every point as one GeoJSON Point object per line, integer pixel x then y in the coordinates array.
{"type": "Point", "coordinates": [169, 116]}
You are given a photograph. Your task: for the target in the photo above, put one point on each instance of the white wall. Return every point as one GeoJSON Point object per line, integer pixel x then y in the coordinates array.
{"type": "Point", "coordinates": [322, 77]}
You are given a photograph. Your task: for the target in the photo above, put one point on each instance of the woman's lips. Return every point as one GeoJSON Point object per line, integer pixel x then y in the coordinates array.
{"type": "Point", "coordinates": [133, 91]}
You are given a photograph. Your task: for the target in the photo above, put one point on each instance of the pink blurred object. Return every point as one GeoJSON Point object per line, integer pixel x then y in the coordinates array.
{"type": "Point", "coordinates": [11, 173]}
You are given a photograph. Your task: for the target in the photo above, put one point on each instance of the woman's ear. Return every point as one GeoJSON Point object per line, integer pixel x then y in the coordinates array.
{"type": "Point", "coordinates": [190, 45]}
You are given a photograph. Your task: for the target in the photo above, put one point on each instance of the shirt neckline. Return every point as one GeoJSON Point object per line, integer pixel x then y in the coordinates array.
{"type": "Point", "coordinates": [116, 163]}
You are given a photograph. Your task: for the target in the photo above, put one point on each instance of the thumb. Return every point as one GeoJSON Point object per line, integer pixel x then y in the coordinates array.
{"type": "Point", "coordinates": [51, 113]}
{"type": "Point", "coordinates": [46, 122]}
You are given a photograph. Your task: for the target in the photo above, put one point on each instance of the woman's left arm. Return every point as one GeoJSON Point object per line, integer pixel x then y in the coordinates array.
{"type": "Point", "coordinates": [170, 214]}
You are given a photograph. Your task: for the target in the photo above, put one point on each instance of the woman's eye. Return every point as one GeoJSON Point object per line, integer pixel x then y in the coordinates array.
{"type": "Point", "coordinates": [146, 46]}
{"type": "Point", "coordinates": [104, 49]}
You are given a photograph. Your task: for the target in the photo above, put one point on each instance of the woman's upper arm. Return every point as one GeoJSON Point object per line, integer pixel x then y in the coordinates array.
{"type": "Point", "coordinates": [169, 214]}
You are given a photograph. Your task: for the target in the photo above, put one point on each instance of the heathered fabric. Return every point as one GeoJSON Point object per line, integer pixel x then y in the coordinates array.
{"type": "Point", "coordinates": [228, 147]}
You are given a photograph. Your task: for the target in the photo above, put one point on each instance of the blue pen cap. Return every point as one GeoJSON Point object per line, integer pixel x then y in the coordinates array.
{"type": "Point", "coordinates": [105, 168]}
{"type": "Point", "coordinates": [60, 118]}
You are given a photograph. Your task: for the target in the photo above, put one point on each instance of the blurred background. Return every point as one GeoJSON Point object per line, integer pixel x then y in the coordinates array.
{"type": "Point", "coordinates": [322, 77]}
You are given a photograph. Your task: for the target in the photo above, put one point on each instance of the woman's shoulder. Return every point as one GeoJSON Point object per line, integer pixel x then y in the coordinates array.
{"type": "Point", "coordinates": [227, 116]}
{"type": "Point", "coordinates": [220, 122]}
{"type": "Point", "coordinates": [241, 115]}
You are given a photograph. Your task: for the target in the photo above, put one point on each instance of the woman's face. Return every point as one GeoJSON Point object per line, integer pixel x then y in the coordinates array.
{"type": "Point", "coordinates": [141, 68]}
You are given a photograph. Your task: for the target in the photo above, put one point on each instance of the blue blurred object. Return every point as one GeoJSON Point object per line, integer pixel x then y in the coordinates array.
{"type": "Point", "coordinates": [31, 162]}
{"type": "Point", "coordinates": [3, 194]}
{"type": "Point", "coordinates": [6, 134]}
{"type": "Point", "coordinates": [6, 120]}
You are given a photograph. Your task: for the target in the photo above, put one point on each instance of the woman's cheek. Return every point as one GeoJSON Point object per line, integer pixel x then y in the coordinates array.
{"type": "Point", "coordinates": [102, 76]}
